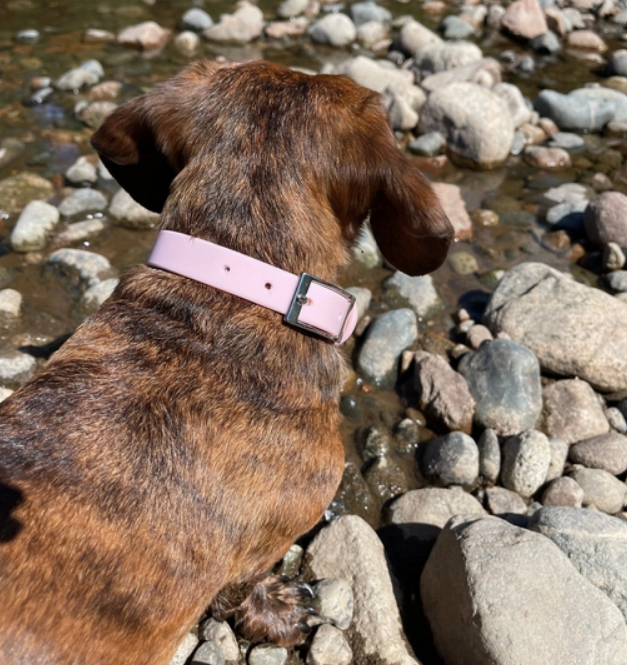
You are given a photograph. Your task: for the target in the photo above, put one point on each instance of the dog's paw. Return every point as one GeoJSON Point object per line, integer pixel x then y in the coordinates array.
{"type": "Point", "coordinates": [277, 611]}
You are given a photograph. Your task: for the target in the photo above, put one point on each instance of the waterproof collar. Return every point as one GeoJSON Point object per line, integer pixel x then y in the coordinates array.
{"type": "Point", "coordinates": [306, 302]}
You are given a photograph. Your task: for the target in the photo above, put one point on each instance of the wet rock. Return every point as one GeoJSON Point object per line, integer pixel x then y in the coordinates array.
{"type": "Point", "coordinates": [617, 280]}
{"type": "Point", "coordinates": [96, 294]}
{"type": "Point", "coordinates": [418, 292]}
{"type": "Point", "coordinates": [605, 219]}
{"type": "Point", "coordinates": [365, 249]}
{"type": "Point", "coordinates": [606, 451]}
{"type": "Point", "coordinates": [334, 602]}
{"type": "Point", "coordinates": [451, 460]}
{"type": "Point", "coordinates": [208, 653]}
{"type": "Point", "coordinates": [131, 214]}
{"type": "Point", "coordinates": [94, 114]}
{"type": "Point", "coordinates": [33, 226]}
{"type": "Point", "coordinates": [524, 18]}
{"type": "Point", "coordinates": [559, 453]}
{"type": "Point", "coordinates": [567, 215]}
{"type": "Point", "coordinates": [455, 27]}
{"type": "Point", "coordinates": [88, 74]}
{"type": "Point", "coordinates": [78, 268]}
{"type": "Point", "coordinates": [267, 654]}
{"type": "Point", "coordinates": [485, 72]}
{"type": "Point", "coordinates": [81, 201]}
{"type": "Point", "coordinates": [574, 113]}
{"type": "Point", "coordinates": [477, 335]}
{"type": "Point", "coordinates": [492, 574]}
{"type": "Point", "coordinates": [329, 647]}
{"type": "Point", "coordinates": [428, 144]}
{"type": "Point", "coordinates": [504, 503]}
{"type": "Point", "coordinates": [334, 29]}
{"type": "Point", "coordinates": [79, 231]}
{"type": "Point", "coordinates": [504, 379]}
{"type": "Point", "coordinates": [290, 563]}
{"type": "Point", "coordinates": [349, 549]}
{"type": "Point", "coordinates": [548, 42]}
{"type": "Point", "coordinates": [293, 28]}
{"type": "Point", "coordinates": [414, 36]}
{"type": "Point", "coordinates": [185, 649]}
{"type": "Point", "coordinates": [573, 329]}
{"type": "Point", "coordinates": [444, 56]}
{"type": "Point", "coordinates": [564, 491]}
{"type": "Point", "coordinates": [489, 455]}
{"type": "Point", "coordinates": [196, 19]}
{"type": "Point", "coordinates": [547, 158]}
{"type": "Point", "coordinates": [82, 171]}
{"type": "Point", "coordinates": [221, 634]}
{"type": "Point", "coordinates": [595, 544]}
{"type": "Point", "coordinates": [241, 27]}
{"type": "Point", "coordinates": [450, 197]}
{"type": "Point", "coordinates": [16, 368]}
{"type": "Point", "coordinates": [10, 149]}
{"type": "Point", "coordinates": [147, 36]}
{"type": "Point", "coordinates": [602, 490]}
{"type": "Point", "coordinates": [572, 411]}
{"type": "Point", "coordinates": [443, 394]}
{"type": "Point", "coordinates": [17, 191]}
{"type": "Point", "coordinates": [474, 120]}
{"type": "Point", "coordinates": [28, 36]}
{"type": "Point", "coordinates": [363, 12]}
{"type": "Point", "coordinates": [187, 42]}
{"type": "Point", "coordinates": [526, 460]}
{"type": "Point", "coordinates": [463, 263]}
{"type": "Point", "coordinates": [385, 479]}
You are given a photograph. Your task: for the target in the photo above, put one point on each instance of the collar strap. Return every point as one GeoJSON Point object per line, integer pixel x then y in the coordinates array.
{"type": "Point", "coordinates": [306, 302]}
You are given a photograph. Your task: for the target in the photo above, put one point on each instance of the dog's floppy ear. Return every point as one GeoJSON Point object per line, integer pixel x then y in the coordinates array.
{"type": "Point", "coordinates": [406, 217]}
{"type": "Point", "coordinates": [126, 143]}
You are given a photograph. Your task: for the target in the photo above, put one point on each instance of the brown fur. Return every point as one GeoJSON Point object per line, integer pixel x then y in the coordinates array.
{"type": "Point", "coordinates": [177, 444]}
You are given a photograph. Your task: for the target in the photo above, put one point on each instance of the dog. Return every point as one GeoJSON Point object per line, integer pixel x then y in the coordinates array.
{"type": "Point", "coordinates": [176, 445]}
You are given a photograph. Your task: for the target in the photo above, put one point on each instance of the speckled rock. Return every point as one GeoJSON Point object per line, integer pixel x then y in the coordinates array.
{"type": "Point", "coordinates": [82, 201]}
{"type": "Point", "coordinates": [450, 197]}
{"type": "Point", "coordinates": [451, 460]}
{"type": "Point", "coordinates": [334, 601]}
{"type": "Point", "coordinates": [444, 56]}
{"type": "Point", "coordinates": [605, 219]}
{"type": "Point", "coordinates": [222, 634]}
{"type": "Point", "coordinates": [96, 294]}
{"type": "Point", "coordinates": [185, 649]}
{"type": "Point", "coordinates": [33, 226]}
{"type": "Point", "coordinates": [559, 453]}
{"type": "Point", "coordinates": [526, 460]}
{"type": "Point", "coordinates": [94, 114]}
{"type": "Point", "coordinates": [417, 292]}
{"type": "Point", "coordinates": [267, 654]}
{"type": "Point", "coordinates": [414, 36]}
{"type": "Point", "coordinates": [504, 503]}
{"type": "Point", "coordinates": [606, 451]}
{"type": "Point", "coordinates": [572, 113]}
{"type": "Point", "coordinates": [16, 368]}
{"type": "Point", "coordinates": [78, 268]}
{"type": "Point", "coordinates": [82, 171]}
{"type": "Point", "coordinates": [208, 653]}
{"type": "Point", "coordinates": [385, 478]}
{"type": "Point", "coordinates": [489, 455]}
{"type": "Point", "coordinates": [10, 306]}
{"type": "Point", "coordinates": [17, 191]}
{"type": "Point", "coordinates": [564, 491]}
{"type": "Point", "coordinates": [329, 647]}
{"type": "Point", "coordinates": [602, 490]}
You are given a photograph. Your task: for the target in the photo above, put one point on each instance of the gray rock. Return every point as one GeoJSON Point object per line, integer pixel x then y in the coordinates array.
{"type": "Point", "coordinates": [221, 634]}
{"type": "Point", "coordinates": [463, 263]}
{"type": "Point", "coordinates": [131, 214]}
{"type": "Point", "coordinates": [515, 101]}
{"type": "Point", "coordinates": [596, 545]}
{"type": "Point", "coordinates": [333, 29]}
{"type": "Point", "coordinates": [504, 503]}
{"type": "Point", "coordinates": [17, 191]}
{"type": "Point", "coordinates": [365, 249]}
{"type": "Point", "coordinates": [417, 292]}
{"type": "Point", "coordinates": [477, 334]}
{"type": "Point", "coordinates": [196, 19]}
{"type": "Point", "coordinates": [492, 574]}
{"type": "Point", "coordinates": [485, 72]}
{"type": "Point", "coordinates": [443, 393]}
{"type": "Point", "coordinates": [81, 201]}
{"type": "Point", "coordinates": [428, 144]}
{"type": "Point", "coordinates": [385, 478]}
{"type": "Point", "coordinates": [574, 113]}
{"type": "Point", "coordinates": [547, 42]}
{"type": "Point", "coordinates": [349, 549]}
{"type": "Point", "coordinates": [29, 36]}
{"type": "Point", "coordinates": [569, 192]}
{"type": "Point", "coordinates": [572, 411]}
{"type": "Point", "coordinates": [605, 219]}
{"type": "Point", "coordinates": [526, 460]}
{"type": "Point", "coordinates": [88, 74]}
{"type": "Point", "coordinates": [185, 649]}
{"type": "Point", "coordinates": [16, 368]}
{"type": "Point", "coordinates": [208, 653]}
{"type": "Point", "coordinates": [241, 27]}
{"type": "Point", "coordinates": [375, 75]}
{"type": "Point", "coordinates": [564, 491]}
{"type": "Point", "coordinates": [96, 294]}
{"type": "Point", "coordinates": [402, 116]}
{"type": "Point", "coordinates": [597, 94]}
{"type": "Point", "coordinates": [79, 231]}
{"type": "Point", "coordinates": [371, 33]}
{"type": "Point", "coordinates": [82, 171]}
{"type": "Point", "coordinates": [414, 36]}
{"type": "Point", "coordinates": [489, 455]}
{"type": "Point", "coordinates": [79, 268]}
{"type": "Point", "coordinates": [94, 114]}
{"type": "Point", "coordinates": [559, 453]}
{"type": "Point", "coordinates": [334, 602]}
{"type": "Point", "coordinates": [33, 226]}
{"type": "Point", "coordinates": [363, 12]}
{"type": "Point", "coordinates": [613, 256]}
{"type": "Point", "coordinates": [451, 460]}
{"type": "Point", "coordinates": [292, 8]}
{"type": "Point", "coordinates": [455, 27]}
{"type": "Point", "coordinates": [373, 443]}
{"type": "Point", "coordinates": [386, 338]}
{"type": "Point", "coordinates": [602, 490]}
{"type": "Point", "coordinates": [406, 436]}
{"type": "Point", "coordinates": [566, 141]}
{"type": "Point", "coordinates": [567, 215]}
{"type": "Point", "coordinates": [504, 379]}
{"type": "Point", "coordinates": [10, 305]}
{"type": "Point", "coordinates": [329, 647]}
{"type": "Point", "coordinates": [475, 121]}
{"type": "Point", "coordinates": [267, 654]}
{"type": "Point", "coordinates": [573, 329]}
{"type": "Point", "coordinates": [363, 297]}
{"type": "Point", "coordinates": [606, 451]}
{"type": "Point", "coordinates": [290, 563]}
{"type": "Point", "coordinates": [443, 56]}
{"type": "Point", "coordinates": [616, 420]}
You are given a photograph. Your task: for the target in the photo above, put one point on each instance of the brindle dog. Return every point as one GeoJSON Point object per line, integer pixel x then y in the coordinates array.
{"type": "Point", "coordinates": [173, 449]}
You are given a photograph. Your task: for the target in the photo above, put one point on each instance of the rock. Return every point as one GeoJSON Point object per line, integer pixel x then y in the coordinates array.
{"type": "Point", "coordinates": [187, 42]}
{"type": "Point", "coordinates": [96, 294]}
{"type": "Point", "coordinates": [547, 158]}
{"type": "Point", "coordinates": [385, 478]}
{"type": "Point", "coordinates": [147, 36]}
{"type": "Point", "coordinates": [586, 40]}
{"type": "Point", "coordinates": [79, 231]}
{"type": "Point", "coordinates": [76, 78]}
{"type": "Point", "coordinates": [463, 263]}
{"type": "Point", "coordinates": [349, 549]}
{"type": "Point", "coordinates": [617, 63]}
{"type": "Point", "coordinates": [595, 544]}
{"type": "Point", "coordinates": [617, 281]}
{"type": "Point", "coordinates": [329, 647]}
{"type": "Point", "coordinates": [267, 654]}
{"type": "Point", "coordinates": [524, 18]}
{"type": "Point", "coordinates": [572, 411]}
{"type": "Point", "coordinates": [362, 297]}
{"type": "Point", "coordinates": [241, 27]}
{"type": "Point", "coordinates": [417, 292]}
{"type": "Point", "coordinates": [196, 19]}
{"type": "Point", "coordinates": [605, 219]}
{"type": "Point", "coordinates": [451, 460]}
{"type": "Point", "coordinates": [82, 171]}
{"type": "Point", "coordinates": [4, 393]}
{"type": "Point", "coordinates": [567, 215]}
{"type": "Point", "coordinates": [386, 338]}
{"type": "Point", "coordinates": [504, 503]}
{"type": "Point", "coordinates": [94, 114]}
{"type": "Point", "coordinates": [221, 634]}
{"type": "Point", "coordinates": [415, 36]}
{"type": "Point", "coordinates": [485, 72]}
{"type": "Point", "coordinates": [371, 34]}
{"type": "Point", "coordinates": [10, 305]}
{"type": "Point", "coordinates": [454, 206]}
{"type": "Point", "coordinates": [601, 489]}
{"type": "Point", "coordinates": [573, 329]}
{"type": "Point", "coordinates": [10, 149]}
{"type": "Point", "coordinates": [548, 42]}
{"type": "Point", "coordinates": [519, 111]}
{"type": "Point", "coordinates": [443, 393]}
{"type": "Point", "coordinates": [17, 191]}
{"type": "Point", "coordinates": [427, 145]}
{"type": "Point", "coordinates": [567, 141]}
{"type": "Point", "coordinates": [363, 12]}
{"type": "Point", "coordinates": [493, 574]}
{"type": "Point", "coordinates": [613, 257]}
{"type": "Point", "coordinates": [290, 563]}
{"type": "Point", "coordinates": [563, 491]}
{"type": "Point", "coordinates": [406, 436]}
{"type": "Point", "coordinates": [208, 653]}
{"type": "Point", "coordinates": [292, 8]}
{"type": "Point", "coordinates": [185, 649]}
{"type": "Point", "coordinates": [16, 368]}
{"type": "Point", "coordinates": [444, 56]}
{"type": "Point", "coordinates": [334, 602]}
{"type": "Point", "coordinates": [489, 455]}
{"type": "Point", "coordinates": [616, 419]}
{"type": "Point", "coordinates": [504, 379]}
{"type": "Point", "coordinates": [78, 268]}
{"type": "Point", "coordinates": [365, 249]}
{"type": "Point", "coordinates": [475, 121]}
{"type": "Point", "coordinates": [559, 453]}
{"type": "Point", "coordinates": [606, 451]}
{"type": "Point", "coordinates": [81, 201]}
{"type": "Point", "coordinates": [575, 113]}
{"type": "Point", "coordinates": [477, 335]}
{"type": "Point", "coordinates": [402, 116]}
{"type": "Point", "coordinates": [334, 29]}
{"type": "Point", "coordinates": [455, 27]}
{"type": "Point", "coordinates": [131, 214]}
{"type": "Point", "coordinates": [526, 460]}
{"type": "Point", "coordinates": [33, 226]}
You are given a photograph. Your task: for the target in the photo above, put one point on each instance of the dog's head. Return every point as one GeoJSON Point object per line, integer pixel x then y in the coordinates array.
{"type": "Point", "coordinates": [258, 141]}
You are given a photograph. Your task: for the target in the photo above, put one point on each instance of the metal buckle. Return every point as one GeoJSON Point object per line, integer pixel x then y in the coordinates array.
{"type": "Point", "coordinates": [300, 299]}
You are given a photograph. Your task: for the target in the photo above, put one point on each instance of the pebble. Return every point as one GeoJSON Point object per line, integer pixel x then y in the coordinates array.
{"type": "Point", "coordinates": [616, 420]}
{"type": "Point", "coordinates": [414, 36]}
{"type": "Point", "coordinates": [525, 19]}
{"type": "Point", "coordinates": [87, 74]}
{"type": "Point", "coordinates": [334, 601]}
{"type": "Point", "coordinates": [82, 201]}
{"type": "Point", "coordinates": [605, 219]}
{"type": "Point", "coordinates": [33, 226]}
{"type": "Point", "coordinates": [417, 292]}
{"type": "Point", "coordinates": [79, 231]}
{"type": "Point", "coordinates": [267, 654]}
{"type": "Point", "coordinates": [17, 191]}
{"type": "Point", "coordinates": [477, 334]}
{"type": "Point", "coordinates": [605, 451]}
{"type": "Point", "coordinates": [371, 34]}
{"type": "Point", "coordinates": [290, 564]}
{"type": "Point", "coordinates": [196, 19]}
{"type": "Point", "coordinates": [208, 653]}
{"type": "Point", "coordinates": [333, 29]}
{"type": "Point", "coordinates": [566, 141]}
{"type": "Point", "coordinates": [489, 455]}
{"type": "Point", "coordinates": [547, 158]}
{"type": "Point", "coordinates": [504, 503]}
{"type": "Point", "coordinates": [463, 263]}
{"type": "Point", "coordinates": [329, 647]}
{"type": "Point", "coordinates": [454, 206]}
{"type": "Point", "coordinates": [94, 114]}
{"type": "Point", "coordinates": [385, 479]}
{"type": "Point", "coordinates": [429, 144]}
{"type": "Point", "coordinates": [96, 294]}
{"type": "Point", "coordinates": [525, 464]}
{"type": "Point", "coordinates": [613, 256]}
{"type": "Point", "coordinates": [564, 491]}
{"type": "Point", "coordinates": [187, 42]}
{"type": "Point", "coordinates": [221, 634]}
{"type": "Point", "coordinates": [16, 368]}
{"type": "Point", "coordinates": [81, 172]}
{"type": "Point", "coordinates": [363, 297]}
{"type": "Point", "coordinates": [406, 436]}
{"type": "Point", "coordinates": [10, 305]}
{"type": "Point", "coordinates": [363, 12]}
{"type": "Point", "coordinates": [131, 214]}
{"type": "Point", "coordinates": [572, 113]}
{"type": "Point", "coordinates": [451, 460]}
{"type": "Point", "coordinates": [241, 27]}
{"type": "Point", "coordinates": [587, 40]}
{"type": "Point", "coordinates": [455, 27]}
{"type": "Point", "coordinates": [559, 454]}
{"type": "Point", "coordinates": [602, 490]}
{"type": "Point", "coordinates": [185, 649]}
{"type": "Point", "coordinates": [78, 268]}
{"type": "Point", "coordinates": [147, 36]}
{"type": "Point", "coordinates": [291, 8]}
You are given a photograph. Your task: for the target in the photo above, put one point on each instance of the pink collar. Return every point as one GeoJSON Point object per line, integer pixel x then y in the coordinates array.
{"type": "Point", "coordinates": [306, 301]}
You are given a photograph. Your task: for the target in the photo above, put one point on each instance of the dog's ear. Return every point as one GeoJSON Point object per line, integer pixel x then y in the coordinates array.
{"type": "Point", "coordinates": [126, 143]}
{"type": "Point", "coordinates": [406, 217]}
